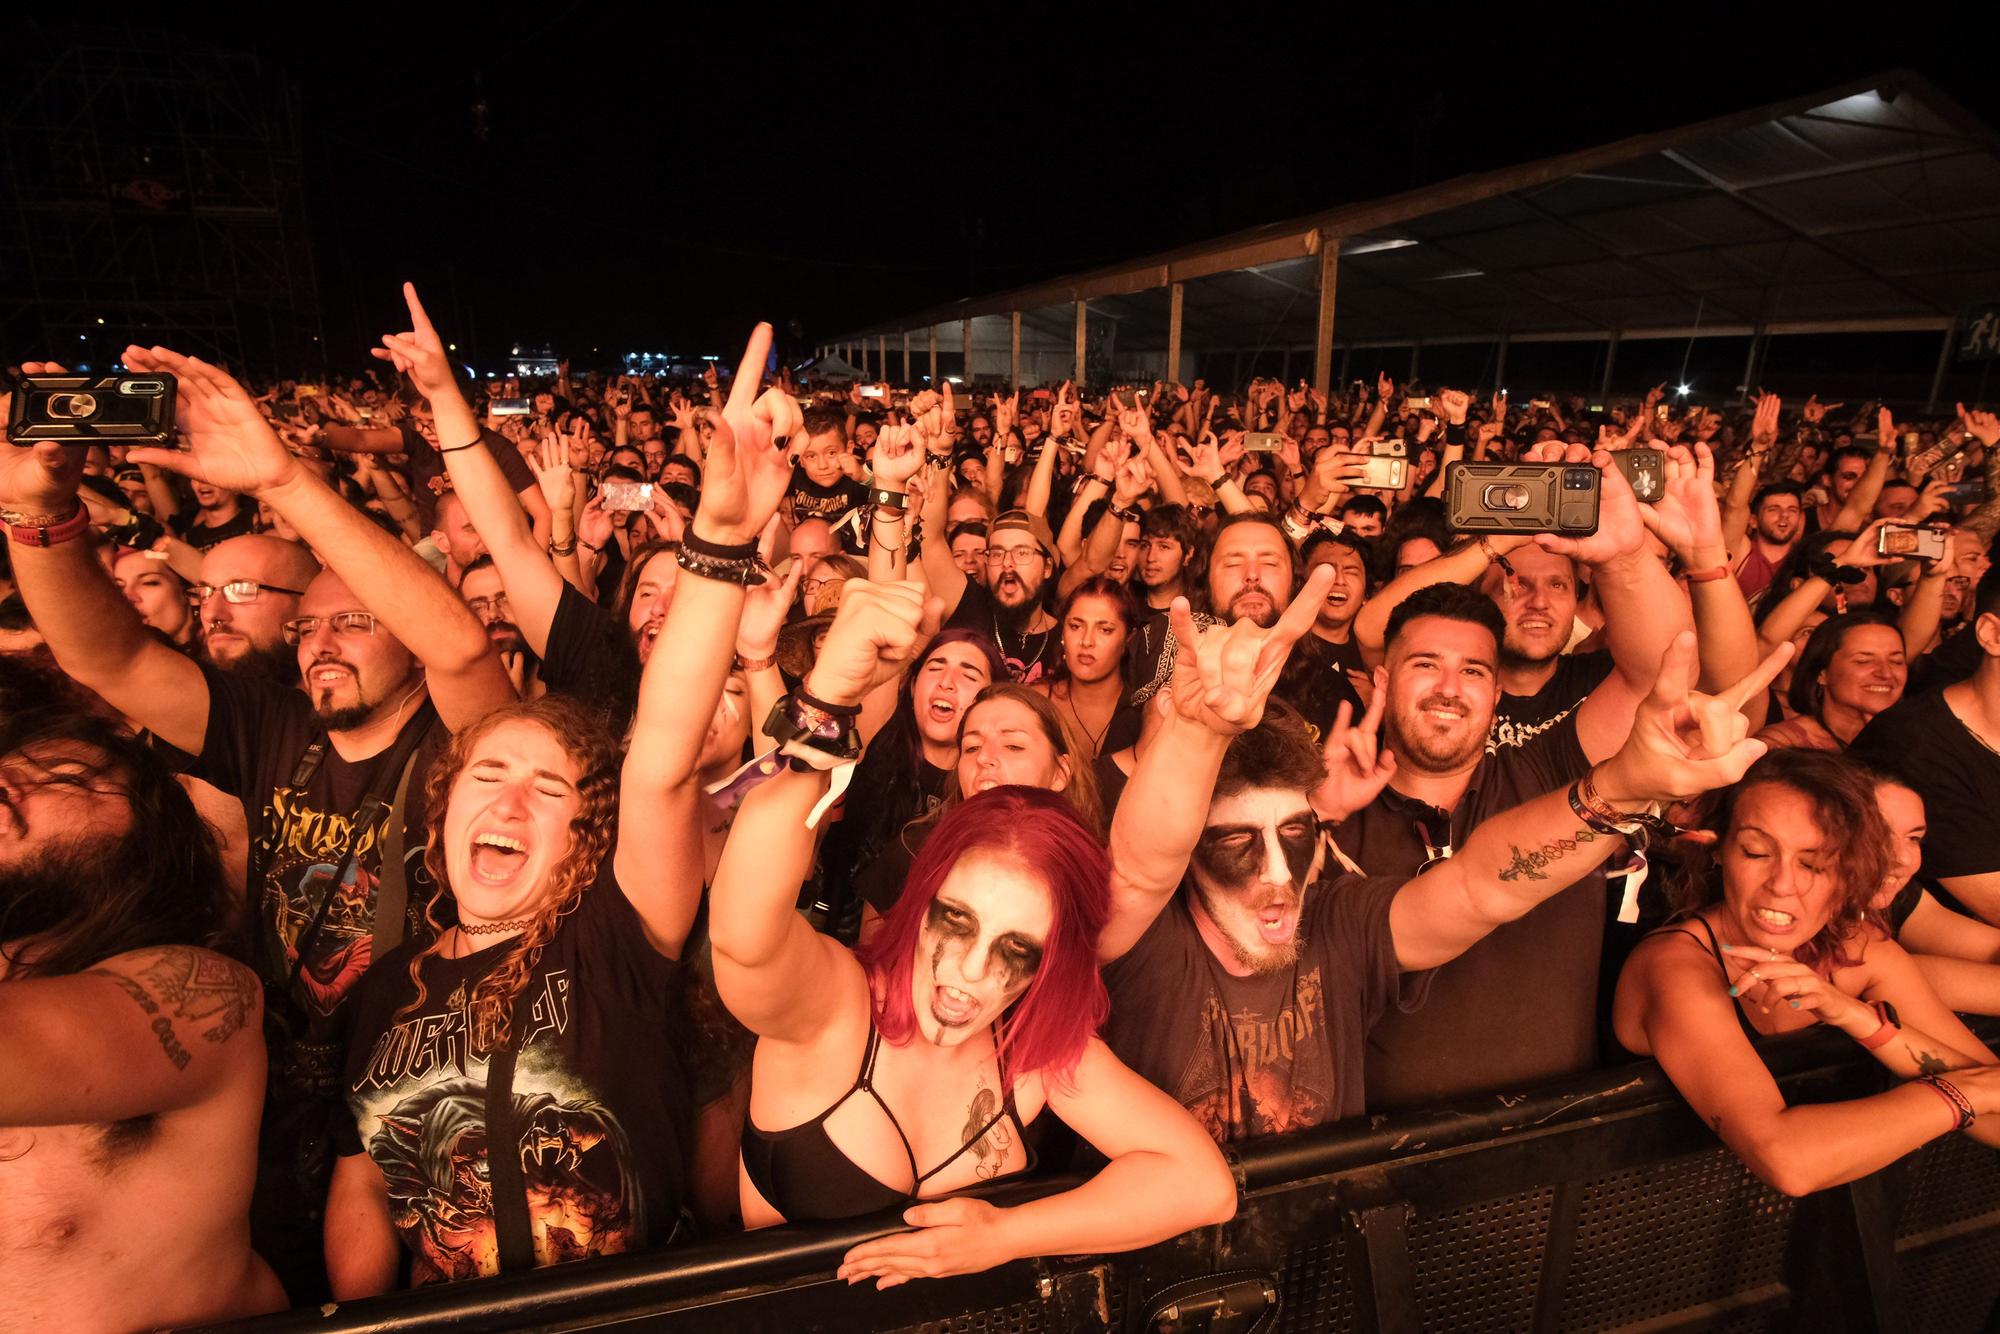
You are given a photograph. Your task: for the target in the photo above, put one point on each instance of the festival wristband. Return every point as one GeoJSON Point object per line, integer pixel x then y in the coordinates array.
{"type": "Point", "coordinates": [42, 530]}
{"type": "Point", "coordinates": [1706, 576]}
{"type": "Point", "coordinates": [1891, 1025]}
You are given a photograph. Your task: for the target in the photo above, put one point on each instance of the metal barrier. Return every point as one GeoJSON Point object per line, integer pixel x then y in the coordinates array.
{"type": "Point", "coordinates": [1597, 1203]}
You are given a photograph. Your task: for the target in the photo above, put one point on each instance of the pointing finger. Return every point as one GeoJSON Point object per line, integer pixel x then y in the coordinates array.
{"type": "Point", "coordinates": [750, 371]}
{"type": "Point", "coordinates": [419, 321]}
{"type": "Point", "coordinates": [1765, 673]}
{"type": "Point", "coordinates": [1298, 617]}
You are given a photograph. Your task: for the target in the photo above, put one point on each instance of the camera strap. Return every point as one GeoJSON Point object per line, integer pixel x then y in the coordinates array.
{"type": "Point", "coordinates": [513, 1228]}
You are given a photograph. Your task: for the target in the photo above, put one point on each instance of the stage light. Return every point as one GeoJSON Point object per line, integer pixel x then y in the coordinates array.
{"type": "Point", "coordinates": [1683, 390]}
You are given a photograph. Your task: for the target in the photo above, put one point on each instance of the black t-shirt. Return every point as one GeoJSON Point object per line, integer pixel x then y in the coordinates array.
{"type": "Point", "coordinates": [869, 851]}
{"type": "Point", "coordinates": [427, 476]}
{"type": "Point", "coordinates": [1030, 656]}
{"type": "Point", "coordinates": [591, 658]}
{"type": "Point", "coordinates": [1519, 719]}
{"type": "Point", "coordinates": [299, 836]}
{"type": "Point", "coordinates": [600, 1100]}
{"type": "Point", "coordinates": [1266, 1054]}
{"type": "Point", "coordinates": [809, 500]}
{"type": "Point", "coordinates": [201, 537]}
{"type": "Point", "coordinates": [1520, 1006]}
{"type": "Point", "coordinates": [1315, 681]}
{"type": "Point", "coordinates": [1952, 661]}
{"type": "Point", "coordinates": [1921, 739]}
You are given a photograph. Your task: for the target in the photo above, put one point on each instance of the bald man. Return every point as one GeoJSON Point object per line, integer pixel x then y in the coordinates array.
{"type": "Point", "coordinates": [250, 586]}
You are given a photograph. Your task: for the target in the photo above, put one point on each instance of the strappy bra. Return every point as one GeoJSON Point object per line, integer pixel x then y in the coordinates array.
{"type": "Point", "coordinates": [806, 1177]}
{"type": "Point", "coordinates": [1715, 948]}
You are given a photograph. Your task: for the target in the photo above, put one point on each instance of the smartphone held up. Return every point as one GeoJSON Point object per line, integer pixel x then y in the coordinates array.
{"type": "Point", "coordinates": [92, 409]}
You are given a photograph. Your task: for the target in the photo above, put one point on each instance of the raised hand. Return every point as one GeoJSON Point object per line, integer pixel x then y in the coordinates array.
{"type": "Point", "coordinates": [595, 525]}
{"type": "Point", "coordinates": [1885, 429]}
{"type": "Point", "coordinates": [1620, 528]}
{"type": "Point", "coordinates": [1455, 403]}
{"type": "Point", "coordinates": [1687, 516]}
{"type": "Point", "coordinates": [874, 635]}
{"type": "Point", "coordinates": [1814, 412]}
{"type": "Point", "coordinates": [895, 457]}
{"type": "Point", "coordinates": [1863, 550]}
{"type": "Point", "coordinates": [1223, 675]}
{"type": "Point", "coordinates": [419, 352]}
{"type": "Point", "coordinates": [1134, 480]}
{"type": "Point", "coordinates": [1385, 387]}
{"type": "Point", "coordinates": [1134, 421]}
{"type": "Point", "coordinates": [765, 607]}
{"type": "Point", "coordinates": [550, 461]}
{"type": "Point", "coordinates": [1764, 423]}
{"type": "Point", "coordinates": [746, 476]}
{"type": "Point", "coordinates": [1357, 768]}
{"type": "Point", "coordinates": [39, 480]}
{"type": "Point", "coordinates": [230, 445]}
{"type": "Point", "coordinates": [1684, 743]}
{"type": "Point", "coordinates": [1984, 426]}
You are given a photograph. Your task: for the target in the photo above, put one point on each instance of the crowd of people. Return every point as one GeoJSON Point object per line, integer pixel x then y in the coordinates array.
{"type": "Point", "coordinates": [450, 829]}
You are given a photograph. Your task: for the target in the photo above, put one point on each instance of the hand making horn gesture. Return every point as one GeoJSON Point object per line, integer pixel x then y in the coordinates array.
{"type": "Point", "coordinates": [746, 473]}
{"type": "Point", "coordinates": [1683, 742]}
{"type": "Point", "coordinates": [1223, 675]}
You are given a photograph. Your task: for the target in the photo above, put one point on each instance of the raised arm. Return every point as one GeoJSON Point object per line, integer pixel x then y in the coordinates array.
{"type": "Point", "coordinates": [1861, 500]}
{"type": "Point", "coordinates": [659, 860]}
{"type": "Point", "coordinates": [231, 445]}
{"type": "Point", "coordinates": [95, 635]}
{"type": "Point", "coordinates": [1222, 677]}
{"type": "Point", "coordinates": [897, 456]}
{"type": "Point", "coordinates": [1688, 519]}
{"type": "Point", "coordinates": [1681, 744]}
{"type": "Point", "coordinates": [940, 571]}
{"type": "Point", "coordinates": [779, 977]}
{"type": "Point", "coordinates": [1644, 609]}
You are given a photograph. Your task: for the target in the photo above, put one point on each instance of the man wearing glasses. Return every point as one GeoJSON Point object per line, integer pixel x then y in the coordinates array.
{"type": "Point", "coordinates": [1020, 562]}
{"type": "Point", "coordinates": [320, 775]}
{"type": "Point", "coordinates": [250, 586]}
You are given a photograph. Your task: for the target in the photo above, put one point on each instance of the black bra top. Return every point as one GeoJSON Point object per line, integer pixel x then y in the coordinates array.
{"type": "Point", "coordinates": [1715, 948]}
{"type": "Point", "coordinates": [806, 1178]}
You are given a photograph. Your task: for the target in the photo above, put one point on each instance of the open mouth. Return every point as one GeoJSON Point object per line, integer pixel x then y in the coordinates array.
{"type": "Point", "coordinates": [1773, 920]}
{"type": "Point", "coordinates": [1278, 923]}
{"type": "Point", "coordinates": [951, 1007]}
{"type": "Point", "coordinates": [497, 858]}
{"type": "Point", "coordinates": [942, 710]}
{"type": "Point", "coordinates": [326, 675]}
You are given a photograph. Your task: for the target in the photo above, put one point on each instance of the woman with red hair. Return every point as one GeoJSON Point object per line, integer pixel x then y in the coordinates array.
{"type": "Point", "coordinates": [913, 1068]}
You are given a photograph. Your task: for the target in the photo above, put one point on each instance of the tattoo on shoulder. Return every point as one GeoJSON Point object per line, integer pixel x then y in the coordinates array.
{"type": "Point", "coordinates": [1533, 864]}
{"type": "Point", "coordinates": [180, 983]}
{"type": "Point", "coordinates": [1928, 1062]}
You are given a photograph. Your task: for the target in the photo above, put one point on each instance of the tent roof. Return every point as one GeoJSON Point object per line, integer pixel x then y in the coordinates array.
{"type": "Point", "coordinates": [1871, 206]}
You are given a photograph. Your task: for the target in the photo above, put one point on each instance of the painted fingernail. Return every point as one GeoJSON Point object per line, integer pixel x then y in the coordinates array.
{"type": "Point", "coordinates": [1735, 991]}
{"type": "Point", "coordinates": [1795, 1005]}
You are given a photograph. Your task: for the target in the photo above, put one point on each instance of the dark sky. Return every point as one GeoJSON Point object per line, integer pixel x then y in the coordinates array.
{"type": "Point", "coordinates": [659, 181]}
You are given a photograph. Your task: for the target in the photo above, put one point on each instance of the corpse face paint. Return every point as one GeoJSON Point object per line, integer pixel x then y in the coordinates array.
{"type": "Point", "coordinates": [980, 947]}
{"type": "Point", "coordinates": [1251, 868]}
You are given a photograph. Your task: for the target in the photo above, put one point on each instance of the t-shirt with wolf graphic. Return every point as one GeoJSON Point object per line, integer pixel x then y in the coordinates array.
{"type": "Point", "coordinates": [600, 1107]}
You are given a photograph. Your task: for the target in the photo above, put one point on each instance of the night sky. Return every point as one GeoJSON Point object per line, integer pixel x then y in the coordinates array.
{"type": "Point", "coordinates": [590, 181]}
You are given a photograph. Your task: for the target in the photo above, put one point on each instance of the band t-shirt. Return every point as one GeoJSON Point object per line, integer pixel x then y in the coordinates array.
{"type": "Point", "coordinates": [591, 658]}
{"type": "Point", "coordinates": [599, 1113]}
{"type": "Point", "coordinates": [1031, 655]}
{"type": "Point", "coordinates": [427, 475]}
{"type": "Point", "coordinates": [809, 500]}
{"type": "Point", "coordinates": [1519, 719]}
{"type": "Point", "coordinates": [1958, 777]}
{"type": "Point", "coordinates": [1270, 1053]}
{"type": "Point", "coordinates": [1520, 1006]}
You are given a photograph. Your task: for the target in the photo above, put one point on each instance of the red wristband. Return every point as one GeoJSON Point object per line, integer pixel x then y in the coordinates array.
{"type": "Point", "coordinates": [1888, 1029]}
{"type": "Point", "coordinates": [47, 535]}
{"type": "Point", "coordinates": [1706, 576]}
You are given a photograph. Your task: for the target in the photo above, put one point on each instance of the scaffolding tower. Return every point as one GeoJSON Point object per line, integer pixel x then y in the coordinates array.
{"type": "Point", "coordinates": [156, 196]}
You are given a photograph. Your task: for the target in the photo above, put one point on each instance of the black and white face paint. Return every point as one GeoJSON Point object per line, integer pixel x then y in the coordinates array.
{"type": "Point", "coordinates": [1251, 867]}
{"type": "Point", "coordinates": [980, 947]}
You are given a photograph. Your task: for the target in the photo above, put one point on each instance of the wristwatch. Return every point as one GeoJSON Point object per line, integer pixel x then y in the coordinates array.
{"type": "Point", "coordinates": [45, 530]}
{"type": "Point", "coordinates": [1891, 1025]}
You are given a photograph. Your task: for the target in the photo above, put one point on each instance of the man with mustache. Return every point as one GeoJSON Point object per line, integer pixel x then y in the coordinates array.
{"type": "Point", "coordinates": [483, 592]}
{"type": "Point", "coordinates": [250, 586]}
{"type": "Point", "coordinates": [322, 777]}
{"type": "Point", "coordinates": [1245, 970]}
{"type": "Point", "coordinates": [1020, 562]}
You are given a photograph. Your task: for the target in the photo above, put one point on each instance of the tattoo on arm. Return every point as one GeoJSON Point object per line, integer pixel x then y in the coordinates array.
{"type": "Point", "coordinates": [1928, 1062]}
{"type": "Point", "coordinates": [193, 986]}
{"type": "Point", "coordinates": [1531, 864]}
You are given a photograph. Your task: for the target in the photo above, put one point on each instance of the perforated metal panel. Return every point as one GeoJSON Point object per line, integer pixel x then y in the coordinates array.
{"type": "Point", "coordinates": [1954, 1288]}
{"type": "Point", "coordinates": [1658, 1239]}
{"type": "Point", "coordinates": [1477, 1266]}
{"type": "Point", "coordinates": [1953, 1179]}
{"type": "Point", "coordinates": [1020, 1318]}
{"type": "Point", "coordinates": [1316, 1292]}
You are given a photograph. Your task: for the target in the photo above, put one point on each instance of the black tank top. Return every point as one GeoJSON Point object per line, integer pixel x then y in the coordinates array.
{"type": "Point", "coordinates": [1715, 949]}
{"type": "Point", "coordinates": [806, 1178]}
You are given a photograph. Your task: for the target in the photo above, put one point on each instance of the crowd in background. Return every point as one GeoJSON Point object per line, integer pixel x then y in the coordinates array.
{"type": "Point", "coordinates": [449, 828]}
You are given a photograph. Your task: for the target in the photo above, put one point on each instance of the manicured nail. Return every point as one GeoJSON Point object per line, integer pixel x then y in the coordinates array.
{"type": "Point", "coordinates": [1795, 1005]}
{"type": "Point", "coordinates": [1729, 949]}
{"type": "Point", "coordinates": [1735, 991]}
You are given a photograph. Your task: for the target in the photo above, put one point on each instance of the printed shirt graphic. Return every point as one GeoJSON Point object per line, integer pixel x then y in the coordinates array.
{"type": "Point", "coordinates": [599, 1099]}
{"type": "Point", "coordinates": [257, 732]}
{"type": "Point", "coordinates": [1271, 1053]}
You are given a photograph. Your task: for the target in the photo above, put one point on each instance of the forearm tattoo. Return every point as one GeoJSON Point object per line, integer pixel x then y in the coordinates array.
{"type": "Point", "coordinates": [1928, 1062]}
{"type": "Point", "coordinates": [1532, 864]}
{"type": "Point", "coordinates": [191, 986]}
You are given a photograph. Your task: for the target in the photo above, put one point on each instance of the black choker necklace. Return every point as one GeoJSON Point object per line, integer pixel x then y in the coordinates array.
{"type": "Point", "coordinates": [493, 928]}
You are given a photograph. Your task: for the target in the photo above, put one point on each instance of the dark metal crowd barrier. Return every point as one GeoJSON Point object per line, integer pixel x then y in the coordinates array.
{"type": "Point", "coordinates": [1597, 1203]}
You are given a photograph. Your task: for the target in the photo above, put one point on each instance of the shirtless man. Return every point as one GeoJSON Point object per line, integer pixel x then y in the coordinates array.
{"type": "Point", "coordinates": [131, 1054]}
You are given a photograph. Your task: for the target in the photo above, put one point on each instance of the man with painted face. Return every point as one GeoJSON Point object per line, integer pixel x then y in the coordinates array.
{"type": "Point", "coordinates": [1244, 969]}
{"type": "Point", "coordinates": [319, 773]}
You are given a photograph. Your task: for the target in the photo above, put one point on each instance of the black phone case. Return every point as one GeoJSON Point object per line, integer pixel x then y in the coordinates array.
{"type": "Point", "coordinates": [92, 409]}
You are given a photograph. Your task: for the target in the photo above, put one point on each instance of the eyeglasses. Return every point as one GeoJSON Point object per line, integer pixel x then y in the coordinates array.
{"type": "Point", "coordinates": [236, 591]}
{"type": "Point", "coordinates": [813, 587]}
{"type": "Point", "coordinates": [348, 623]}
{"type": "Point", "coordinates": [1015, 556]}
{"type": "Point", "coordinates": [494, 604]}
